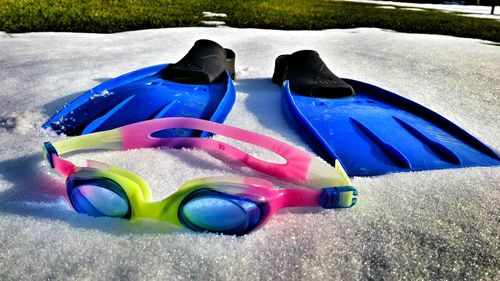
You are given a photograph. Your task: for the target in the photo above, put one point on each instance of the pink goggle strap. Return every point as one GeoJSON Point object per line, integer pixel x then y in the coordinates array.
{"type": "Point", "coordinates": [138, 135]}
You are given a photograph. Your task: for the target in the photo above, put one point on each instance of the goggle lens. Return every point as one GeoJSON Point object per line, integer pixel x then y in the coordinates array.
{"type": "Point", "coordinates": [99, 198]}
{"type": "Point", "coordinates": [209, 210]}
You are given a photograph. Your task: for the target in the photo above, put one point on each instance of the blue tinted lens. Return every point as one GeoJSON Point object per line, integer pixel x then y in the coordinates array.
{"type": "Point", "coordinates": [220, 212]}
{"type": "Point", "coordinates": [96, 200]}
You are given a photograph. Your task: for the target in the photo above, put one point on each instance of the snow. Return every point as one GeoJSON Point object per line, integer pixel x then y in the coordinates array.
{"type": "Point", "coordinates": [210, 14]}
{"type": "Point", "coordinates": [102, 94]}
{"type": "Point", "coordinates": [386, 7]}
{"type": "Point", "coordinates": [463, 10]}
{"type": "Point", "coordinates": [213, 22]}
{"type": "Point", "coordinates": [412, 9]}
{"type": "Point", "coordinates": [421, 225]}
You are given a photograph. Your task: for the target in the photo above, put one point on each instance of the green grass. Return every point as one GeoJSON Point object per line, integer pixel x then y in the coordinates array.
{"type": "Point", "coordinates": [105, 16]}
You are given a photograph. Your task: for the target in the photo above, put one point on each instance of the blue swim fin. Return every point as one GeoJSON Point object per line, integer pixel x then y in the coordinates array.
{"type": "Point", "coordinates": [199, 85]}
{"type": "Point", "coordinates": [371, 131]}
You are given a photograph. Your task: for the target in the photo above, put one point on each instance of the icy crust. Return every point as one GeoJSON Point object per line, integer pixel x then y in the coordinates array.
{"type": "Point", "coordinates": [211, 15]}
{"type": "Point", "coordinates": [462, 10]}
{"type": "Point", "coordinates": [426, 225]}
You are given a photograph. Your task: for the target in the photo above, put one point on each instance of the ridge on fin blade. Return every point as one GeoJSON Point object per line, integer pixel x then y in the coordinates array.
{"type": "Point", "coordinates": [440, 149]}
{"type": "Point", "coordinates": [392, 152]}
{"type": "Point", "coordinates": [165, 109]}
{"type": "Point", "coordinates": [369, 130]}
{"type": "Point", "coordinates": [94, 125]}
{"type": "Point", "coordinates": [200, 85]}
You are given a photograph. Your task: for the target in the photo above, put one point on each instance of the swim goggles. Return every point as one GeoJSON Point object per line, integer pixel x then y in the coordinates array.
{"type": "Point", "coordinates": [228, 205]}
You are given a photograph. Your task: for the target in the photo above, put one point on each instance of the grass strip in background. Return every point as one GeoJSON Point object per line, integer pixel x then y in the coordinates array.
{"type": "Point", "coordinates": [104, 16]}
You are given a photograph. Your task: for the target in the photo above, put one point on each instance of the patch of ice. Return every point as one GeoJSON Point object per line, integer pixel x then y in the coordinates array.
{"type": "Point", "coordinates": [412, 9]}
{"type": "Point", "coordinates": [481, 16]}
{"type": "Point", "coordinates": [469, 9]}
{"type": "Point", "coordinates": [385, 7]}
{"type": "Point", "coordinates": [210, 15]}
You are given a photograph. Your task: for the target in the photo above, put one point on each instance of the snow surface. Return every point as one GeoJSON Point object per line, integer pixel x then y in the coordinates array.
{"type": "Point", "coordinates": [210, 15]}
{"type": "Point", "coordinates": [213, 22]}
{"type": "Point", "coordinates": [421, 225]}
{"type": "Point", "coordinates": [463, 10]}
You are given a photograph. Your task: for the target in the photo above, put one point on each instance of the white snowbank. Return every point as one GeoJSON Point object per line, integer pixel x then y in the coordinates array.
{"type": "Point", "coordinates": [423, 225]}
{"type": "Point", "coordinates": [464, 10]}
{"type": "Point", "coordinates": [386, 7]}
{"type": "Point", "coordinates": [210, 15]}
{"type": "Point", "coordinates": [213, 22]}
